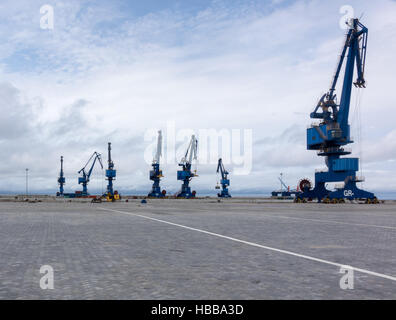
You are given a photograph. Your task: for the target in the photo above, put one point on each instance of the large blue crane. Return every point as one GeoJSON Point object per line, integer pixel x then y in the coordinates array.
{"type": "Point", "coordinates": [110, 172]}
{"type": "Point", "coordinates": [186, 174]}
{"type": "Point", "coordinates": [61, 179]}
{"type": "Point", "coordinates": [156, 173]}
{"type": "Point", "coordinates": [333, 132]}
{"type": "Point", "coordinates": [225, 182]}
{"type": "Point", "coordinates": [86, 175]}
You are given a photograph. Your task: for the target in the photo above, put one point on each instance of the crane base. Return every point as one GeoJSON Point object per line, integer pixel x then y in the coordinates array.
{"type": "Point", "coordinates": [224, 194]}
{"type": "Point", "coordinates": [349, 192]}
{"type": "Point", "coordinates": [154, 194]}
{"type": "Point", "coordinates": [185, 193]}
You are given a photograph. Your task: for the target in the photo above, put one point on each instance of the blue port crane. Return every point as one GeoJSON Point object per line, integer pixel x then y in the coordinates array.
{"type": "Point", "coordinates": [86, 175]}
{"type": "Point", "coordinates": [186, 173]}
{"type": "Point", "coordinates": [332, 134]}
{"type": "Point", "coordinates": [225, 182]}
{"type": "Point", "coordinates": [283, 184]}
{"type": "Point", "coordinates": [61, 179]}
{"type": "Point", "coordinates": [110, 172]}
{"type": "Point", "coordinates": [156, 173]}
{"type": "Point", "coordinates": [284, 192]}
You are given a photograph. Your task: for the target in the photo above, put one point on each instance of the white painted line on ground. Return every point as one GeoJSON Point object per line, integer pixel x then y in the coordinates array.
{"type": "Point", "coordinates": [332, 221]}
{"type": "Point", "coordinates": [376, 274]}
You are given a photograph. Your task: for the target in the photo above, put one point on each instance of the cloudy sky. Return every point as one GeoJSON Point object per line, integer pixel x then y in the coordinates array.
{"type": "Point", "coordinates": [114, 70]}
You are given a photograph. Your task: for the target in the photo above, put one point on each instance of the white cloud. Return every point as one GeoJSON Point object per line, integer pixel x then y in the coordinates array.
{"type": "Point", "coordinates": [101, 76]}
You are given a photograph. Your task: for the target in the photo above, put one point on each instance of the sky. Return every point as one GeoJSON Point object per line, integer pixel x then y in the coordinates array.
{"type": "Point", "coordinates": [116, 71]}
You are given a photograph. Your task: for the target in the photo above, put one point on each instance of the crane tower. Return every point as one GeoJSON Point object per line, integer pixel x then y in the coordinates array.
{"type": "Point", "coordinates": [61, 179]}
{"type": "Point", "coordinates": [110, 172]}
{"type": "Point", "coordinates": [225, 182]}
{"type": "Point", "coordinates": [156, 173]}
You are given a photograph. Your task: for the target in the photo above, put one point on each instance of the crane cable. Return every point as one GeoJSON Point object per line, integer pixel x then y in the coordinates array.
{"type": "Point", "coordinates": [102, 182]}
{"type": "Point", "coordinates": [357, 118]}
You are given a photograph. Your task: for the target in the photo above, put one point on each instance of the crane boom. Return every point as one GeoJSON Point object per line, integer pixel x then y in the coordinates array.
{"type": "Point", "coordinates": [357, 33]}
{"type": "Point", "coordinates": [282, 183]}
{"type": "Point", "coordinates": [191, 152]}
{"type": "Point", "coordinates": [158, 153]}
{"type": "Point", "coordinates": [86, 175]}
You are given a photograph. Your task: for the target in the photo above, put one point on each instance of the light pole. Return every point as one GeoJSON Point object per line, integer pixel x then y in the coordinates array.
{"type": "Point", "coordinates": [27, 182]}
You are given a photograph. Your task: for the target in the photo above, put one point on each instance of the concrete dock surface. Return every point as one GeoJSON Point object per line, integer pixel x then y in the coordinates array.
{"type": "Point", "coordinates": [197, 249]}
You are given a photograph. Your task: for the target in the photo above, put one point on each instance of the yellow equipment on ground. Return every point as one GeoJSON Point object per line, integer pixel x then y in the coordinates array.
{"type": "Point", "coordinates": [112, 198]}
